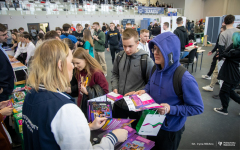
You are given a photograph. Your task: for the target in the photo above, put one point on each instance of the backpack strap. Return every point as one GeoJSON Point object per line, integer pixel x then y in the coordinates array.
{"type": "Point", "coordinates": [119, 57]}
{"type": "Point", "coordinates": [144, 67]}
{"type": "Point", "coordinates": [153, 70]}
{"type": "Point", "coordinates": [177, 81]}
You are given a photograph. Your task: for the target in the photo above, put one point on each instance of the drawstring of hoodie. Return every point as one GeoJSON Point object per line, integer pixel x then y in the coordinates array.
{"type": "Point", "coordinates": [160, 83]}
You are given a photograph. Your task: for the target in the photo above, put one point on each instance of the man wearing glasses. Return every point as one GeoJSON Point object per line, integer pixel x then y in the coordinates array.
{"type": "Point", "coordinates": [6, 71]}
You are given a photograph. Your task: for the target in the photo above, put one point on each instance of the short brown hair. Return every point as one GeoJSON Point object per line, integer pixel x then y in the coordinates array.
{"type": "Point", "coordinates": [86, 25]}
{"type": "Point", "coordinates": [51, 35]}
{"type": "Point", "coordinates": [229, 19]}
{"type": "Point", "coordinates": [69, 43]}
{"type": "Point", "coordinates": [104, 23]}
{"type": "Point", "coordinates": [21, 28]}
{"type": "Point", "coordinates": [166, 24]}
{"type": "Point", "coordinates": [15, 30]}
{"type": "Point", "coordinates": [3, 28]}
{"type": "Point", "coordinates": [78, 25]}
{"type": "Point", "coordinates": [129, 33]}
{"type": "Point", "coordinates": [128, 24]}
{"type": "Point", "coordinates": [144, 30]}
{"type": "Point", "coordinates": [96, 23]}
{"type": "Point", "coordinates": [224, 27]}
{"type": "Point", "coordinates": [112, 23]}
{"type": "Point", "coordinates": [179, 20]}
{"type": "Point", "coordinates": [66, 27]}
{"type": "Point", "coordinates": [58, 28]}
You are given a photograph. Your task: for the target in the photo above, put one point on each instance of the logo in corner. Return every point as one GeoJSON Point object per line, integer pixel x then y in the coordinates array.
{"type": "Point", "coordinates": [170, 58]}
{"type": "Point", "coordinates": [220, 143]}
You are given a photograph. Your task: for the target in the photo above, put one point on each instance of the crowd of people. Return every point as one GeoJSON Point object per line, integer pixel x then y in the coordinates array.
{"type": "Point", "coordinates": [70, 62]}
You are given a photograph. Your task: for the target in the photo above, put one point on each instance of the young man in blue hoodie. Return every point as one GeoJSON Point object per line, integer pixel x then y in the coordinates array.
{"type": "Point", "coordinates": [165, 51]}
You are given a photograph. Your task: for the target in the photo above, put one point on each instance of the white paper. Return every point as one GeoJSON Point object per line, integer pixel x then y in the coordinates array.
{"type": "Point", "coordinates": [36, 2]}
{"type": "Point", "coordinates": [4, 8]}
{"type": "Point", "coordinates": [58, 3]}
{"type": "Point", "coordinates": [144, 97]}
{"type": "Point", "coordinates": [113, 94]}
{"type": "Point", "coordinates": [151, 124]}
{"type": "Point", "coordinates": [40, 6]}
{"type": "Point", "coordinates": [11, 8]}
{"type": "Point", "coordinates": [19, 9]}
{"type": "Point", "coordinates": [60, 9]}
{"type": "Point", "coordinates": [129, 102]}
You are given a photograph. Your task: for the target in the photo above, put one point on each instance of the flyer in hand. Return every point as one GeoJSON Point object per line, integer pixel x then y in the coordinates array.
{"type": "Point", "coordinates": [113, 96]}
{"type": "Point", "coordinates": [139, 103]}
{"type": "Point", "coordinates": [99, 109]}
{"type": "Point", "coordinates": [137, 142]}
{"type": "Point", "coordinates": [116, 123]}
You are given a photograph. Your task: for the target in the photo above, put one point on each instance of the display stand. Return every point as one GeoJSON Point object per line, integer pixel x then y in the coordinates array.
{"type": "Point", "coordinates": [20, 73]}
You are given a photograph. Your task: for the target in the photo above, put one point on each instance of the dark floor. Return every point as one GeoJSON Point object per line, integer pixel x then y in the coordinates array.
{"type": "Point", "coordinates": [209, 127]}
{"type": "Point", "coordinates": [205, 131]}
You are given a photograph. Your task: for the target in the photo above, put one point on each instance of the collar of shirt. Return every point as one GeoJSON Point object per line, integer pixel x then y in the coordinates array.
{"type": "Point", "coordinates": [4, 52]}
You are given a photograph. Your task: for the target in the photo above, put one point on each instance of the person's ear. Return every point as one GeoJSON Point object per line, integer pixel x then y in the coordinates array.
{"type": "Point", "coordinates": [58, 38]}
{"type": "Point", "coordinates": [60, 65]}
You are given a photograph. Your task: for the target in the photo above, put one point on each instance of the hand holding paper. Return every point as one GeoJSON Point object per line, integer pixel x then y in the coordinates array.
{"type": "Point", "coordinates": [164, 110]}
{"type": "Point", "coordinates": [97, 123]}
{"type": "Point", "coordinates": [140, 92]}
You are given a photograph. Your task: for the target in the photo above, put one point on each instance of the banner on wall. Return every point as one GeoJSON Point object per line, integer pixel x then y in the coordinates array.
{"type": "Point", "coordinates": [150, 10]}
{"type": "Point", "coordinates": [125, 21]}
{"type": "Point", "coordinates": [172, 12]}
{"type": "Point", "coordinates": [237, 21]}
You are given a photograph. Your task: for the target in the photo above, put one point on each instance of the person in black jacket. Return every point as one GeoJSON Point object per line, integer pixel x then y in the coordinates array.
{"type": "Point", "coordinates": [230, 74]}
{"type": "Point", "coordinates": [113, 38]}
{"type": "Point", "coordinates": [214, 61]}
{"type": "Point", "coordinates": [6, 70]}
{"type": "Point", "coordinates": [181, 32]}
{"type": "Point", "coordinates": [156, 30]}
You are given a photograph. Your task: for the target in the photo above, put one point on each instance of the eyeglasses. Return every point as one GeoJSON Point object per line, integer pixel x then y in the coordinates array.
{"type": "Point", "coordinates": [155, 49]}
{"type": "Point", "coordinates": [4, 34]}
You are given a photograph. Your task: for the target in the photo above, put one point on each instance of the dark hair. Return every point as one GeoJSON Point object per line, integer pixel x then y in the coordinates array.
{"type": "Point", "coordinates": [104, 28]}
{"type": "Point", "coordinates": [150, 22]}
{"type": "Point", "coordinates": [224, 27]}
{"type": "Point", "coordinates": [166, 24]}
{"type": "Point", "coordinates": [3, 28]}
{"type": "Point", "coordinates": [58, 28]}
{"type": "Point", "coordinates": [69, 43]}
{"type": "Point", "coordinates": [41, 36]}
{"type": "Point", "coordinates": [25, 32]}
{"type": "Point", "coordinates": [66, 27]}
{"type": "Point", "coordinates": [51, 35]}
{"type": "Point", "coordinates": [86, 25]}
{"type": "Point", "coordinates": [155, 25]}
{"type": "Point", "coordinates": [15, 30]}
{"type": "Point", "coordinates": [27, 36]}
{"type": "Point", "coordinates": [229, 19]}
{"type": "Point", "coordinates": [179, 20]}
{"type": "Point", "coordinates": [21, 28]}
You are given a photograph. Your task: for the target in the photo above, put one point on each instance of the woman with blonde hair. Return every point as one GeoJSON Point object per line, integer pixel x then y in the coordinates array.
{"type": "Point", "coordinates": [51, 120]}
{"type": "Point", "coordinates": [88, 45]}
{"type": "Point", "coordinates": [15, 41]}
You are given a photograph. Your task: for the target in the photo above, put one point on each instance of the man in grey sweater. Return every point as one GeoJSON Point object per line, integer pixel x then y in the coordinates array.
{"type": "Point", "coordinates": [128, 75]}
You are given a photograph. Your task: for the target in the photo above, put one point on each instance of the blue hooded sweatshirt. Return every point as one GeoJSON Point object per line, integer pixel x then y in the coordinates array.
{"type": "Point", "coordinates": [160, 85]}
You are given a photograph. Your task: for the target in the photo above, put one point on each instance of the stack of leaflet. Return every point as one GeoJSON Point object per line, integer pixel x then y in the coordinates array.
{"type": "Point", "coordinates": [130, 130]}
{"type": "Point", "coordinates": [140, 103]}
{"type": "Point", "coordinates": [137, 142]}
{"type": "Point", "coordinates": [116, 123]}
{"type": "Point", "coordinates": [113, 96]}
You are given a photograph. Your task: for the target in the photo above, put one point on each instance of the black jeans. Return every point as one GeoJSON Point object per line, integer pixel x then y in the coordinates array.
{"type": "Point", "coordinates": [166, 140]}
{"type": "Point", "coordinates": [213, 65]}
{"type": "Point", "coordinates": [226, 91]}
{"type": "Point", "coordinates": [114, 50]}
{"type": "Point", "coordinates": [119, 112]}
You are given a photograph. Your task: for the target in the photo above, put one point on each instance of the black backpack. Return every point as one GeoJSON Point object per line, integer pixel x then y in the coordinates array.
{"type": "Point", "coordinates": [177, 80]}
{"type": "Point", "coordinates": [143, 64]}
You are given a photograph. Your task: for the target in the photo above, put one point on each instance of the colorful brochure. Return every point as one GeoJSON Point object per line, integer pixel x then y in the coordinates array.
{"type": "Point", "coordinates": [115, 123]}
{"type": "Point", "coordinates": [99, 109]}
{"type": "Point", "coordinates": [113, 96]}
{"type": "Point", "coordinates": [137, 142]}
